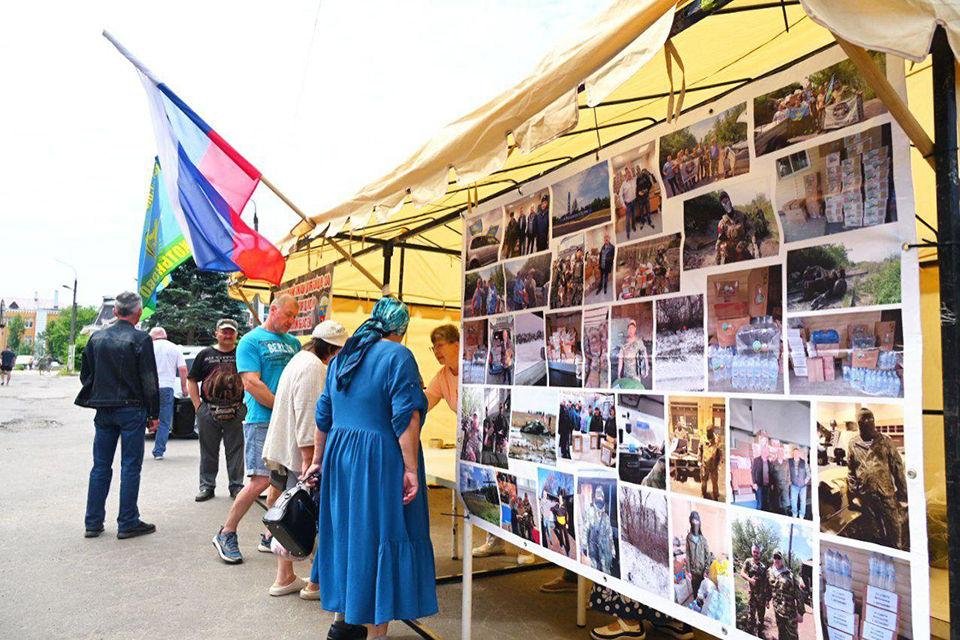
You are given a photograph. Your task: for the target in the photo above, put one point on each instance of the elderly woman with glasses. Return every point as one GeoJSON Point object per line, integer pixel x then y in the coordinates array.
{"type": "Point", "coordinates": [374, 560]}
{"type": "Point", "coordinates": [446, 348]}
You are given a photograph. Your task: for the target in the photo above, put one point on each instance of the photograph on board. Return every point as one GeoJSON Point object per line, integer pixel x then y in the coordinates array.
{"type": "Point", "coordinates": [730, 225]}
{"type": "Point", "coordinates": [473, 413]}
{"type": "Point", "coordinates": [862, 271]}
{"type": "Point", "coordinates": [744, 328]}
{"type": "Point", "coordinates": [478, 488]}
{"type": "Point", "coordinates": [648, 268]}
{"type": "Point", "coordinates": [636, 194]}
{"type": "Point", "coordinates": [703, 575]}
{"type": "Point", "coordinates": [531, 345]}
{"type": "Point", "coordinates": [555, 491]}
{"type": "Point", "coordinates": [681, 343]}
{"type": "Point", "coordinates": [475, 342]}
{"type": "Point", "coordinates": [500, 362]}
{"type": "Point", "coordinates": [705, 152]}
{"type": "Point", "coordinates": [527, 225]}
{"type": "Point", "coordinates": [837, 186]}
{"type": "Point", "coordinates": [773, 561]}
{"type": "Point", "coordinates": [483, 292]}
{"type": "Point", "coordinates": [631, 346]}
{"type": "Point", "coordinates": [528, 282]}
{"type": "Point", "coordinates": [496, 427]}
{"type": "Point", "coordinates": [862, 486]}
{"type": "Point", "coordinates": [518, 511]}
{"type": "Point", "coordinates": [482, 237]}
{"type": "Point", "coordinates": [696, 428]}
{"type": "Point", "coordinates": [643, 440]}
{"type": "Point", "coordinates": [566, 281]}
{"type": "Point", "coordinates": [597, 517]}
{"type": "Point", "coordinates": [598, 267]}
{"type": "Point", "coordinates": [596, 331]}
{"type": "Point", "coordinates": [533, 426]}
{"type": "Point", "coordinates": [770, 456]}
{"type": "Point", "coordinates": [564, 358]}
{"type": "Point", "coordinates": [581, 201]}
{"type": "Point", "coordinates": [507, 491]}
{"type": "Point", "coordinates": [857, 585]}
{"type": "Point", "coordinates": [587, 428]}
{"type": "Point", "coordinates": [856, 353]}
{"type": "Point", "coordinates": [645, 540]}
{"type": "Point", "coordinates": [826, 100]}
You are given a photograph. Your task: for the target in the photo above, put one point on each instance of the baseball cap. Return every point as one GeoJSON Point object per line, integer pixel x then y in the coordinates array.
{"type": "Point", "coordinates": [330, 331]}
{"type": "Point", "coordinates": [777, 554]}
{"type": "Point", "coordinates": [228, 323]}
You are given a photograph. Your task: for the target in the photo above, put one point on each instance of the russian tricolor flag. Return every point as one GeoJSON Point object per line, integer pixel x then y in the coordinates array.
{"type": "Point", "coordinates": [208, 184]}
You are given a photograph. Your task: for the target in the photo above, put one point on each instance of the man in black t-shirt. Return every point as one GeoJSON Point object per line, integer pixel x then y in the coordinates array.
{"type": "Point", "coordinates": [7, 359]}
{"type": "Point", "coordinates": [216, 390]}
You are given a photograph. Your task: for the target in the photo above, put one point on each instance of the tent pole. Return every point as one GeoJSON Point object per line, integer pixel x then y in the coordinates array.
{"type": "Point", "coordinates": [333, 243]}
{"type": "Point", "coordinates": [403, 259]}
{"type": "Point", "coordinates": [387, 263]}
{"type": "Point", "coordinates": [895, 104]}
{"type": "Point", "coordinates": [246, 301]}
{"type": "Point", "coordinates": [948, 224]}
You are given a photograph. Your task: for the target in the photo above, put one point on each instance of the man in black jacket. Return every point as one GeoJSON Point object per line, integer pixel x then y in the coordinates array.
{"type": "Point", "coordinates": [119, 380]}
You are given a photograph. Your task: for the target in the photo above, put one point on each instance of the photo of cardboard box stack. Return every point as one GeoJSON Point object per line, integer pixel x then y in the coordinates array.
{"type": "Point", "coordinates": [852, 180]}
{"type": "Point", "coordinates": [833, 193]}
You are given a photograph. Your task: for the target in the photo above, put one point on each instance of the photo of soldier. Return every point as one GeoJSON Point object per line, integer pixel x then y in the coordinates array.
{"type": "Point", "coordinates": [483, 292]}
{"type": "Point", "coordinates": [475, 343]}
{"type": "Point", "coordinates": [696, 431]}
{"type": "Point", "coordinates": [773, 565]}
{"type": "Point", "coordinates": [770, 456]}
{"type": "Point", "coordinates": [703, 579]}
{"type": "Point", "coordinates": [531, 217]}
{"type": "Point", "coordinates": [862, 485]}
{"type": "Point", "coordinates": [595, 343]}
{"type": "Point", "coordinates": [631, 346]}
{"type": "Point", "coordinates": [496, 428]}
{"type": "Point", "coordinates": [482, 237]}
{"type": "Point", "coordinates": [732, 225]}
{"type": "Point", "coordinates": [517, 506]}
{"type": "Point", "coordinates": [555, 492]}
{"type": "Point", "coordinates": [598, 265]}
{"type": "Point", "coordinates": [527, 282]}
{"type": "Point", "coordinates": [502, 351]}
{"type": "Point", "coordinates": [597, 518]}
{"type": "Point", "coordinates": [566, 283]}
{"type": "Point", "coordinates": [473, 413]}
{"type": "Point", "coordinates": [642, 433]}
{"type": "Point", "coordinates": [648, 268]}
{"type": "Point", "coordinates": [637, 197]}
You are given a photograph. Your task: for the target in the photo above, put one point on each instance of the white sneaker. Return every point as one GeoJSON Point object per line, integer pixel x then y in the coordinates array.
{"type": "Point", "coordinates": [494, 546]}
{"type": "Point", "coordinates": [526, 558]}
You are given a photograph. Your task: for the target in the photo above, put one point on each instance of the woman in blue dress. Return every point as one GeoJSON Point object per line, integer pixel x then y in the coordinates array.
{"type": "Point", "coordinates": [374, 560]}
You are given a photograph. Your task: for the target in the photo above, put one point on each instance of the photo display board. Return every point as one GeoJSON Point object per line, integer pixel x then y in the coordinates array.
{"type": "Point", "coordinates": [313, 291]}
{"type": "Point", "coordinates": [691, 365]}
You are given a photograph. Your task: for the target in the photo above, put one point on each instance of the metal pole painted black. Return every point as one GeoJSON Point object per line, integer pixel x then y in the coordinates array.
{"type": "Point", "coordinates": [948, 223]}
{"type": "Point", "coordinates": [387, 259]}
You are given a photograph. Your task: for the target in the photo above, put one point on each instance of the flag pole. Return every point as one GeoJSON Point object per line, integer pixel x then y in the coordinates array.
{"type": "Point", "coordinates": [333, 243]}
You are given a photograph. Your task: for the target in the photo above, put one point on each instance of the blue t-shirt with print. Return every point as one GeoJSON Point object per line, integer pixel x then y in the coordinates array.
{"type": "Point", "coordinates": [266, 353]}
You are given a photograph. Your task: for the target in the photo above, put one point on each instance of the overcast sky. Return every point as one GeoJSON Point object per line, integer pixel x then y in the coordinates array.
{"type": "Point", "coordinates": [77, 147]}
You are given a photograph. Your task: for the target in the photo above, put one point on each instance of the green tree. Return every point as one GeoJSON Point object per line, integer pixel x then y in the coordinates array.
{"type": "Point", "coordinates": [56, 337]}
{"type": "Point", "coordinates": [846, 73]}
{"type": "Point", "coordinates": [671, 143]}
{"type": "Point", "coordinates": [192, 303]}
{"type": "Point", "coordinates": [15, 329]}
{"type": "Point", "coordinates": [727, 130]}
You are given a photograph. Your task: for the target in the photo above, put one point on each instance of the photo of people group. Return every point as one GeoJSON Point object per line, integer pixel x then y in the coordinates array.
{"type": "Point", "coordinates": [830, 99]}
{"type": "Point", "coordinates": [861, 476]}
{"type": "Point", "coordinates": [705, 152]}
{"type": "Point", "coordinates": [675, 374]}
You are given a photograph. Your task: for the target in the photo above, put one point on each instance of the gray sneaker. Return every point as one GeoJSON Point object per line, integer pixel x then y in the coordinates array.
{"type": "Point", "coordinates": [228, 547]}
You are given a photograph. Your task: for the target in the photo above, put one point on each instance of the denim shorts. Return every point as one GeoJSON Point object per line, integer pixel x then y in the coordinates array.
{"type": "Point", "coordinates": [254, 435]}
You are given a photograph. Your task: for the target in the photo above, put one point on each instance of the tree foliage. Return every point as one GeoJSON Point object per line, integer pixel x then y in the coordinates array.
{"type": "Point", "coordinates": [846, 73]}
{"type": "Point", "coordinates": [828, 256]}
{"type": "Point", "coordinates": [15, 329]}
{"type": "Point", "coordinates": [766, 535]}
{"type": "Point", "coordinates": [884, 285]}
{"type": "Point", "coordinates": [56, 337]}
{"type": "Point", "coordinates": [677, 314]}
{"type": "Point", "coordinates": [192, 303]}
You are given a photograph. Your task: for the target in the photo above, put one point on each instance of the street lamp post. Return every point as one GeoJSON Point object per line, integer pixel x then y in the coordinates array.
{"type": "Point", "coordinates": [71, 352]}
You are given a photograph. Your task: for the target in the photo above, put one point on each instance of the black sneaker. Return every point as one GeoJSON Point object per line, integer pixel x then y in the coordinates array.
{"type": "Point", "coordinates": [235, 491]}
{"type": "Point", "coordinates": [340, 630]}
{"type": "Point", "coordinates": [93, 533]}
{"type": "Point", "coordinates": [204, 495]}
{"type": "Point", "coordinates": [141, 529]}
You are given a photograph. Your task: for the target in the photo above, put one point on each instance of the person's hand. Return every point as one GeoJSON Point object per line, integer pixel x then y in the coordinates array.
{"type": "Point", "coordinates": [152, 425]}
{"type": "Point", "coordinates": [309, 476]}
{"type": "Point", "coordinates": [410, 485]}
{"type": "Point", "coordinates": [752, 581]}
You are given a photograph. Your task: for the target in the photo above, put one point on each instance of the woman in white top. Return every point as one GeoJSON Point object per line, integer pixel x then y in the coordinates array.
{"type": "Point", "coordinates": [288, 448]}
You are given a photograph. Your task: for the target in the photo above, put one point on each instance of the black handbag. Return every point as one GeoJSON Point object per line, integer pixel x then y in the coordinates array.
{"type": "Point", "coordinates": [293, 520]}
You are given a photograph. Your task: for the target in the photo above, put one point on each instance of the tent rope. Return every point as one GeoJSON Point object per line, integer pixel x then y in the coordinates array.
{"type": "Point", "coordinates": [670, 54]}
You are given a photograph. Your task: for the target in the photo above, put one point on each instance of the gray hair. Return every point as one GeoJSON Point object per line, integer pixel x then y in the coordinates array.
{"type": "Point", "coordinates": [158, 333]}
{"type": "Point", "coordinates": [127, 304]}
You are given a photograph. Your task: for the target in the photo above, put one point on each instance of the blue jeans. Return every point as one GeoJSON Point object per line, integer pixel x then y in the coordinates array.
{"type": "Point", "coordinates": [798, 501]}
{"type": "Point", "coordinates": [128, 425]}
{"type": "Point", "coordinates": [762, 498]}
{"type": "Point", "coordinates": [166, 421]}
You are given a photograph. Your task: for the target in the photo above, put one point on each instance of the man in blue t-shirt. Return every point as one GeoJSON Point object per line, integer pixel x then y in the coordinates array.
{"type": "Point", "coordinates": [261, 357]}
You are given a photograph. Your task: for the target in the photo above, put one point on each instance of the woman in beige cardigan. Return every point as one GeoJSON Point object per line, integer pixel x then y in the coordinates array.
{"type": "Point", "coordinates": [288, 448]}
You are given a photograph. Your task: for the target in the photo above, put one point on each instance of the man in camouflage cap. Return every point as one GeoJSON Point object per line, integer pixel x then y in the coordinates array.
{"type": "Point", "coordinates": [787, 598]}
{"type": "Point", "coordinates": [755, 573]}
{"type": "Point", "coordinates": [876, 477]}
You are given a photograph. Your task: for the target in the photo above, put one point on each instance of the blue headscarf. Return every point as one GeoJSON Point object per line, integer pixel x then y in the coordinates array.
{"type": "Point", "coordinates": [389, 316]}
